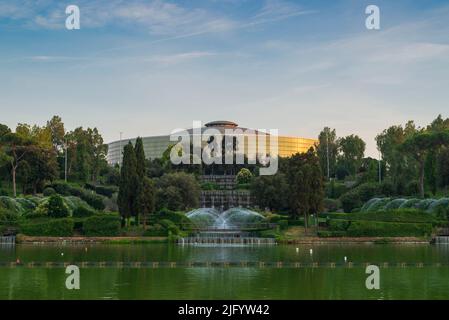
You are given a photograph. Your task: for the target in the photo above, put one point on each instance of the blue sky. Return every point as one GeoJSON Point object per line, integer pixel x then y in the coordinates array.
{"type": "Point", "coordinates": [147, 67]}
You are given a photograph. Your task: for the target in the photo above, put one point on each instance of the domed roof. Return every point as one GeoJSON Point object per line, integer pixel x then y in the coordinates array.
{"type": "Point", "coordinates": [221, 123]}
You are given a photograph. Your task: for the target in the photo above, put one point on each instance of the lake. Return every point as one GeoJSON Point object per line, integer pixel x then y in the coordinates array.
{"type": "Point", "coordinates": [221, 272]}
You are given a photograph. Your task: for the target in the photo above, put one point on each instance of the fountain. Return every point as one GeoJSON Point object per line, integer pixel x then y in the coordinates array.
{"type": "Point", "coordinates": [232, 227]}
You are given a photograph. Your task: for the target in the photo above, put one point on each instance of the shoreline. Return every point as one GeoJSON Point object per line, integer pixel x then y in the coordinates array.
{"type": "Point", "coordinates": [356, 240]}
{"type": "Point", "coordinates": [21, 239]}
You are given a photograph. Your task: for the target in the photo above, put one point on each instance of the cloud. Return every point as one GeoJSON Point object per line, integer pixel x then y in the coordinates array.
{"type": "Point", "coordinates": [180, 57]}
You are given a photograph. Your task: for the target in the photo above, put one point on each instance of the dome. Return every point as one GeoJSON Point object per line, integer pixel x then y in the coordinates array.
{"type": "Point", "coordinates": [221, 123]}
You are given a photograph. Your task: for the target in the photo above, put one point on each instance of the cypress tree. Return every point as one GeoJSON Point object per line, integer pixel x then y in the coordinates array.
{"type": "Point", "coordinates": [141, 173]}
{"type": "Point", "coordinates": [128, 183]}
{"type": "Point", "coordinates": [146, 199]}
{"type": "Point", "coordinates": [140, 157]}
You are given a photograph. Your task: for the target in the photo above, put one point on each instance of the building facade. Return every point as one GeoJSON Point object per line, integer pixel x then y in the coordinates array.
{"type": "Point", "coordinates": [155, 146]}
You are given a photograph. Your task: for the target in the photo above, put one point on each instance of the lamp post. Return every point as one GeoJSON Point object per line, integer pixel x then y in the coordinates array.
{"type": "Point", "coordinates": [327, 153]}
{"type": "Point", "coordinates": [120, 151]}
{"type": "Point", "coordinates": [380, 167]}
{"type": "Point", "coordinates": [65, 161]}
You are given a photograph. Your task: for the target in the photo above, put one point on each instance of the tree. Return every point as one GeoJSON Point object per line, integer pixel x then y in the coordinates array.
{"type": "Point", "coordinates": [306, 185]}
{"type": "Point", "coordinates": [400, 166]}
{"type": "Point", "coordinates": [128, 183]}
{"type": "Point", "coordinates": [16, 147]}
{"type": "Point", "coordinates": [271, 192]}
{"type": "Point", "coordinates": [244, 176]}
{"type": "Point", "coordinates": [177, 191]}
{"type": "Point", "coordinates": [327, 151]}
{"type": "Point", "coordinates": [57, 207]}
{"type": "Point", "coordinates": [56, 127]}
{"type": "Point", "coordinates": [142, 184]}
{"type": "Point", "coordinates": [352, 150]}
{"type": "Point", "coordinates": [420, 145]}
{"type": "Point", "coordinates": [146, 199]}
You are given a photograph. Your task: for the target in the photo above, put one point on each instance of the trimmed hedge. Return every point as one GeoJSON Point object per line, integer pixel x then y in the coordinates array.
{"type": "Point", "coordinates": [81, 212]}
{"type": "Point", "coordinates": [388, 229]}
{"type": "Point", "coordinates": [94, 200]}
{"type": "Point", "coordinates": [331, 234]}
{"type": "Point", "coordinates": [49, 227]}
{"type": "Point", "coordinates": [399, 215]}
{"type": "Point", "coordinates": [102, 225]}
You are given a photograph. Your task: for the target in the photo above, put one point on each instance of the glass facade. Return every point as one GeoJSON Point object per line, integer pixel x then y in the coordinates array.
{"type": "Point", "coordinates": [155, 146]}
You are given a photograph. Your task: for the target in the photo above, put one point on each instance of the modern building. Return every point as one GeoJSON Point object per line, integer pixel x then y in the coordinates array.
{"type": "Point", "coordinates": [156, 145]}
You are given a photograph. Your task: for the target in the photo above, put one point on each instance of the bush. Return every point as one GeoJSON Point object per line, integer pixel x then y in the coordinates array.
{"type": "Point", "coordinates": [398, 215]}
{"type": "Point", "coordinates": [48, 227]}
{"type": "Point", "coordinates": [178, 218]}
{"type": "Point", "coordinates": [170, 227]}
{"type": "Point", "coordinates": [92, 199]}
{"type": "Point", "coordinates": [61, 188]}
{"type": "Point", "coordinates": [339, 225]}
{"type": "Point", "coordinates": [155, 231]}
{"type": "Point", "coordinates": [81, 212]}
{"type": "Point", "coordinates": [412, 188]}
{"type": "Point", "coordinates": [102, 225]}
{"type": "Point", "coordinates": [335, 190]}
{"type": "Point", "coordinates": [283, 224]}
{"type": "Point", "coordinates": [106, 191]}
{"type": "Point", "coordinates": [331, 205]}
{"type": "Point", "coordinates": [8, 217]}
{"type": "Point", "coordinates": [49, 191]}
{"type": "Point", "coordinates": [331, 234]}
{"type": "Point", "coordinates": [3, 193]}
{"type": "Point", "coordinates": [359, 195]}
{"type": "Point", "coordinates": [57, 208]}
{"type": "Point", "coordinates": [244, 176]}
{"type": "Point", "coordinates": [388, 229]}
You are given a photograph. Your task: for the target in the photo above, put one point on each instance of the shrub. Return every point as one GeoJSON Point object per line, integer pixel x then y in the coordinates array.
{"type": "Point", "coordinates": [170, 227]}
{"type": "Point", "coordinates": [331, 234]}
{"type": "Point", "coordinates": [388, 229]}
{"type": "Point", "coordinates": [49, 191]}
{"type": "Point", "coordinates": [244, 176]}
{"type": "Point", "coordinates": [48, 227]}
{"type": "Point", "coordinates": [331, 205]}
{"type": "Point", "coordinates": [56, 207]}
{"type": "Point", "coordinates": [3, 193]}
{"type": "Point", "coordinates": [335, 190]}
{"type": "Point", "coordinates": [106, 191]}
{"type": "Point", "coordinates": [412, 188]}
{"type": "Point", "coordinates": [178, 218]}
{"type": "Point", "coordinates": [155, 231]}
{"type": "Point", "coordinates": [339, 225]}
{"type": "Point", "coordinates": [94, 200]}
{"type": "Point", "coordinates": [8, 217]}
{"type": "Point", "coordinates": [102, 225]}
{"type": "Point", "coordinates": [398, 215]}
{"type": "Point", "coordinates": [81, 212]}
{"type": "Point", "coordinates": [359, 195]}
{"type": "Point", "coordinates": [61, 188]}
{"type": "Point", "coordinates": [387, 188]}
{"type": "Point", "coordinates": [283, 224]}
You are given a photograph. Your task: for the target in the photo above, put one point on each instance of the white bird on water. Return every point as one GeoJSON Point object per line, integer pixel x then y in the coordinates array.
{"type": "Point", "coordinates": [297, 249]}
{"type": "Point", "coordinates": [311, 251]}
{"type": "Point", "coordinates": [346, 259]}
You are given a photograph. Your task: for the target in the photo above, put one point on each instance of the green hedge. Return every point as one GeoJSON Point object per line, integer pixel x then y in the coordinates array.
{"type": "Point", "coordinates": [102, 225]}
{"type": "Point", "coordinates": [399, 215]}
{"type": "Point", "coordinates": [94, 200]}
{"type": "Point", "coordinates": [331, 234]}
{"type": "Point", "coordinates": [48, 227]}
{"type": "Point", "coordinates": [388, 229]}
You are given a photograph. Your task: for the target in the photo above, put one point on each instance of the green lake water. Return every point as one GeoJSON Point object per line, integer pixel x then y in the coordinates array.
{"type": "Point", "coordinates": [431, 281]}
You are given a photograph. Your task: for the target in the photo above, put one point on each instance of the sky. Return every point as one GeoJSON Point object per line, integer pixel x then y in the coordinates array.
{"type": "Point", "coordinates": [148, 67]}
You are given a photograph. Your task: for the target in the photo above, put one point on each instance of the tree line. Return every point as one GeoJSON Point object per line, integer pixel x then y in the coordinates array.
{"type": "Point", "coordinates": [32, 155]}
